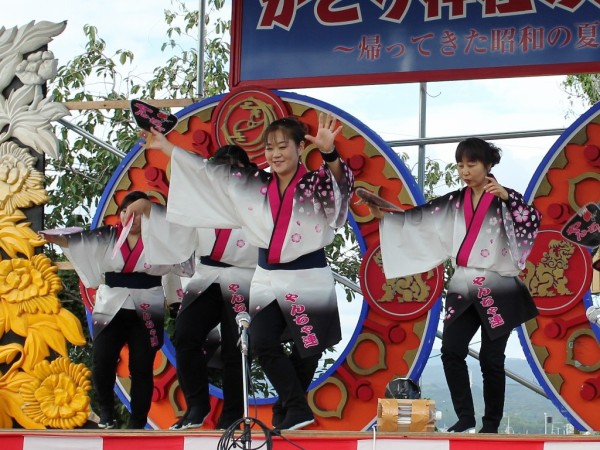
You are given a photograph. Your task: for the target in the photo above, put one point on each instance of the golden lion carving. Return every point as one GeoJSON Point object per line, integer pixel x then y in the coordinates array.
{"type": "Point", "coordinates": [547, 278]}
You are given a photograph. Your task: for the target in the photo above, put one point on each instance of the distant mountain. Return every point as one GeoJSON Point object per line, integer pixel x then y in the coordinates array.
{"type": "Point", "coordinates": [523, 410]}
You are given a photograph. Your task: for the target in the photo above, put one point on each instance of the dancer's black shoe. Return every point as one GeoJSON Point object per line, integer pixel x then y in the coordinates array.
{"type": "Point", "coordinates": [463, 426]}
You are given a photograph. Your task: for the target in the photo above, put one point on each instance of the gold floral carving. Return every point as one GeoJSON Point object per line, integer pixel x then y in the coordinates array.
{"type": "Point", "coordinates": [21, 186]}
{"type": "Point", "coordinates": [29, 307]}
{"type": "Point", "coordinates": [39, 386]}
{"type": "Point", "coordinates": [17, 238]}
{"type": "Point", "coordinates": [57, 395]}
{"type": "Point", "coordinates": [30, 286]}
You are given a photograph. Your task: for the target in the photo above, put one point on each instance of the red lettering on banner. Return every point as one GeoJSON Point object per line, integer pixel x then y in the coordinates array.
{"type": "Point", "coordinates": [420, 41]}
{"type": "Point", "coordinates": [239, 307]}
{"type": "Point", "coordinates": [345, 15]}
{"type": "Point", "coordinates": [233, 287]}
{"type": "Point", "coordinates": [307, 329]}
{"type": "Point", "coordinates": [473, 38]}
{"type": "Point", "coordinates": [282, 13]}
{"type": "Point", "coordinates": [507, 7]}
{"type": "Point", "coordinates": [396, 11]}
{"type": "Point", "coordinates": [532, 38]}
{"type": "Point", "coordinates": [449, 43]}
{"type": "Point", "coordinates": [556, 33]}
{"type": "Point", "coordinates": [503, 40]}
{"type": "Point", "coordinates": [279, 13]}
{"type": "Point", "coordinates": [397, 49]}
{"type": "Point", "coordinates": [370, 47]}
{"type": "Point", "coordinates": [568, 5]}
{"type": "Point", "coordinates": [587, 35]}
{"type": "Point", "coordinates": [433, 9]}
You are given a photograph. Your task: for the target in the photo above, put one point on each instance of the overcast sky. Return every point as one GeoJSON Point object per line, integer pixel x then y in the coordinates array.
{"type": "Point", "coordinates": [453, 108]}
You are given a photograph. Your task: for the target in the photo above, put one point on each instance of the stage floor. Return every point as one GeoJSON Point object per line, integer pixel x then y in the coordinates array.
{"type": "Point", "coordinates": [308, 440]}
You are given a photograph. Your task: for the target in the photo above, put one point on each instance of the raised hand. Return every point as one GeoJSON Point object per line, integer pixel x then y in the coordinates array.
{"type": "Point", "coordinates": [158, 141]}
{"type": "Point", "coordinates": [137, 208]}
{"type": "Point", "coordinates": [325, 134]}
{"type": "Point", "coordinates": [493, 187]}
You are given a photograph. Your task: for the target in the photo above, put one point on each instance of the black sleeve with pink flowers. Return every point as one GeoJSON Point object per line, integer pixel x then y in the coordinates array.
{"type": "Point", "coordinates": [333, 204]}
{"type": "Point", "coordinates": [521, 222]}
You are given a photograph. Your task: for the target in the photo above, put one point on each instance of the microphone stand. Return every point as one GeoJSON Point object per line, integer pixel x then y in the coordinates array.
{"type": "Point", "coordinates": [246, 438]}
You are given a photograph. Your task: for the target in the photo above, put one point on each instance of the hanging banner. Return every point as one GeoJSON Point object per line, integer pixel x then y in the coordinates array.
{"type": "Point", "coordinates": [315, 43]}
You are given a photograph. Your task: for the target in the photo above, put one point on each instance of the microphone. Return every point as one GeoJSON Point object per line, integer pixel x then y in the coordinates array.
{"type": "Point", "coordinates": [243, 321]}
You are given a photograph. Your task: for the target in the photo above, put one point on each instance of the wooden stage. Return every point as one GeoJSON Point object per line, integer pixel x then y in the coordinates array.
{"type": "Point", "coordinates": [308, 440]}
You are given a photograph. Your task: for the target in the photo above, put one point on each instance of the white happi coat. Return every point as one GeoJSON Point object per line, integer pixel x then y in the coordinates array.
{"type": "Point", "coordinates": [91, 253]}
{"type": "Point", "coordinates": [488, 245]}
{"type": "Point", "coordinates": [287, 228]}
{"type": "Point", "coordinates": [222, 256]}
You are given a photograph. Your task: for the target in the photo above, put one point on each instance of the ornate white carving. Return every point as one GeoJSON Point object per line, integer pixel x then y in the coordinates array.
{"type": "Point", "coordinates": [38, 68]}
{"type": "Point", "coordinates": [26, 114]}
{"type": "Point", "coordinates": [15, 42]}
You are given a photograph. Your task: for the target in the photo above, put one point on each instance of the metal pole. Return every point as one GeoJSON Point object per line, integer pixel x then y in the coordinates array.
{"type": "Point", "coordinates": [91, 137]}
{"type": "Point", "coordinates": [201, 37]}
{"type": "Point", "coordinates": [487, 137]}
{"type": "Point", "coordinates": [247, 436]}
{"type": "Point", "coordinates": [422, 132]}
{"type": "Point", "coordinates": [346, 282]}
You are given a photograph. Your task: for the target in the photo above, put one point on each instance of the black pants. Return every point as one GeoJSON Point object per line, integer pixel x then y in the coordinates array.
{"type": "Point", "coordinates": [290, 376]}
{"type": "Point", "coordinates": [455, 343]}
{"type": "Point", "coordinates": [192, 327]}
{"type": "Point", "coordinates": [125, 328]}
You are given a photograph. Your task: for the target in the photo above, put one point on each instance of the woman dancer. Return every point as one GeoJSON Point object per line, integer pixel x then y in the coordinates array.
{"type": "Point", "coordinates": [290, 214]}
{"type": "Point", "coordinates": [129, 308]}
{"type": "Point", "coordinates": [487, 231]}
{"type": "Point", "coordinates": [218, 291]}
